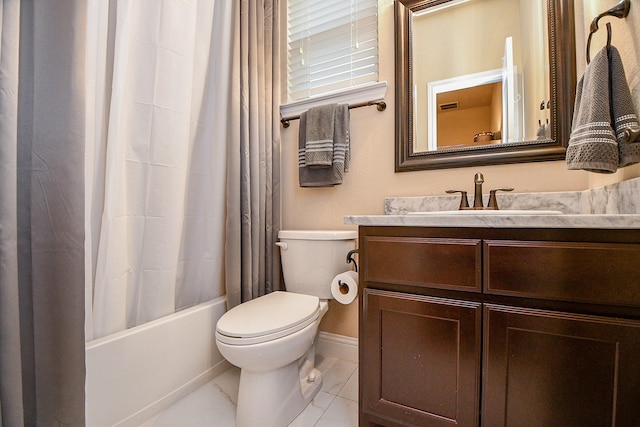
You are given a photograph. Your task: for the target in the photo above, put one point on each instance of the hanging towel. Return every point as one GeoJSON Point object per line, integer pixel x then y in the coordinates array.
{"type": "Point", "coordinates": [328, 176]}
{"type": "Point", "coordinates": [543, 131]}
{"type": "Point", "coordinates": [592, 144]}
{"type": "Point", "coordinates": [318, 138]}
{"type": "Point", "coordinates": [622, 110]}
{"type": "Point", "coordinates": [341, 143]}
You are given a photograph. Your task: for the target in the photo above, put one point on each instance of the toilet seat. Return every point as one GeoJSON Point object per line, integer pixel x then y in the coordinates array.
{"type": "Point", "coordinates": [267, 318]}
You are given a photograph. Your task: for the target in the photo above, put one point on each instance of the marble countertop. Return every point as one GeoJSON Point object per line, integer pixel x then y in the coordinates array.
{"type": "Point", "coordinates": [615, 206]}
{"type": "Point", "coordinates": [604, 221]}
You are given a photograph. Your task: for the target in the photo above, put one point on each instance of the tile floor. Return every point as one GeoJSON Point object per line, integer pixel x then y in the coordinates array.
{"type": "Point", "coordinates": [214, 404]}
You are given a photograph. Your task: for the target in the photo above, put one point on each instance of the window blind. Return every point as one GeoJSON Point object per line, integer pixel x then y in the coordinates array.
{"type": "Point", "coordinates": [332, 45]}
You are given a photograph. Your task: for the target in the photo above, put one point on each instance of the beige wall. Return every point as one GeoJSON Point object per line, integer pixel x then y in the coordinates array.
{"type": "Point", "coordinates": [458, 127]}
{"type": "Point", "coordinates": [533, 23]}
{"type": "Point", "coordinates": [372, 177]}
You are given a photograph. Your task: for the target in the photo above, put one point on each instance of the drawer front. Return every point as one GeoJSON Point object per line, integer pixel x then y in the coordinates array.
{"type": "Point", "coordinates": [600, 273]}
{"type": "Point", "coordinates": [426, 262]}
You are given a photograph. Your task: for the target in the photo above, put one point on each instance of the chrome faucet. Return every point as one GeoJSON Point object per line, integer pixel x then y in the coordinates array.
{"type": "Point", "coordinates": [478, 180]}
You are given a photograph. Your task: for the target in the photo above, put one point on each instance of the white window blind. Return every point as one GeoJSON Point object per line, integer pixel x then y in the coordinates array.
{"type": "Point", "coordinates": [332, 45]}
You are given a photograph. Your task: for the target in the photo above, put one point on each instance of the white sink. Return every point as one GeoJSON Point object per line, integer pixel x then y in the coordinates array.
{"type": "Point", "coordinates": [489, 212]}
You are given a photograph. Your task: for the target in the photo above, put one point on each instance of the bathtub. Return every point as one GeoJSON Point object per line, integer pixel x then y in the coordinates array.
{"type": "Point", "coordinates": [134, 374]}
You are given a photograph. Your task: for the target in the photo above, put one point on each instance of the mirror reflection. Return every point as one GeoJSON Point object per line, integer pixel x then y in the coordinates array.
{"type": "Point", "coordinates": [495, 89]}
{"type": "Point", "coordinates": [461, 114]}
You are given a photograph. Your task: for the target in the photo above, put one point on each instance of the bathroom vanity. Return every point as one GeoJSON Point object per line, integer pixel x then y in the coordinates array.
{"type": "Point", "coordinates": [492, 321]}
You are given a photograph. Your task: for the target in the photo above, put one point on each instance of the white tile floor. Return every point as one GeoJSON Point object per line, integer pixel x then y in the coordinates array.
{"type": "Point", "coordinates": [214, 404]}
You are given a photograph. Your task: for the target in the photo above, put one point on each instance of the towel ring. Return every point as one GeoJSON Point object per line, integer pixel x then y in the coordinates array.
{"type": "Point", "coordinates": [621, 10]}
{"type": "Point", "coordinates": [608, 41]}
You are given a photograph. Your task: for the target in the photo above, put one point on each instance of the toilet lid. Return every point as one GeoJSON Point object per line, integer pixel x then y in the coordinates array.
{"type": "Point", "coordinates": [268, 317]}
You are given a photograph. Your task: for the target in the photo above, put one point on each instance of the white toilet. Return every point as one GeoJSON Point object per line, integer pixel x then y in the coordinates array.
{"type": "Point", "coordinates": [272, 338]}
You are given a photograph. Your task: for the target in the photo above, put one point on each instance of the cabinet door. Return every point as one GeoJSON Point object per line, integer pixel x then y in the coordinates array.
{"type": "Point", "coordinates": [419, 360]}
{"type": "Point", "coordinates": [544, 368]}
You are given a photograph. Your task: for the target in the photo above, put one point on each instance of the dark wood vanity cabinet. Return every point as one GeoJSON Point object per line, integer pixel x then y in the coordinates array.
{"type": "Point", "coordinates": [547, 368]}
{"type": "Point", "coordinates": [499, 327]}
{"type": "Point", "coordinates": [422, 359]}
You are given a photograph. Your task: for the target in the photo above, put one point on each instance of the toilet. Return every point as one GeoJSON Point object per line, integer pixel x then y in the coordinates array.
{"type": "Point", "coordinates": [272, 338]}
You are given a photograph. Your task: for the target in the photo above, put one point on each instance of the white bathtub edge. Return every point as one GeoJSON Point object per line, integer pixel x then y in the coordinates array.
{"type": "Point", "coordinates": [134, 373]}
{"type": "Point", "coordinates": [156, 407]}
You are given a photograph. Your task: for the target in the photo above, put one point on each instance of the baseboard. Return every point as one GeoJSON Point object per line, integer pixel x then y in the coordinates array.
{"type": "Point", "coordinates": [338, 346]}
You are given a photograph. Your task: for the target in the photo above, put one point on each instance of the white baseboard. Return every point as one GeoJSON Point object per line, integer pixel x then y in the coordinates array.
{"type": "Point", "coordinates": [338, 346]}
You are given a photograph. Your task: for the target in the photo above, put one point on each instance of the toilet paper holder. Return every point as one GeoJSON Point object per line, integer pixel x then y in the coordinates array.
{"type": "Point", "coordinates": [351, 260]}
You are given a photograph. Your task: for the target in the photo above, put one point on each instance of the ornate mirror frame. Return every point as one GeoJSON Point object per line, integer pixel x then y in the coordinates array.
{"type": "Point", "coordinates": [562, 72]}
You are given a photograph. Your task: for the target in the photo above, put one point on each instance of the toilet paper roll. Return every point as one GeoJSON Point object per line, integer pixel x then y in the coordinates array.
{"type": "Point", "coordinates": [344, 287]}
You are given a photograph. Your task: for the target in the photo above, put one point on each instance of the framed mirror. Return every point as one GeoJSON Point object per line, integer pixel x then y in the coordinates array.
{"type": "Point", "coordinates": [483, 82]}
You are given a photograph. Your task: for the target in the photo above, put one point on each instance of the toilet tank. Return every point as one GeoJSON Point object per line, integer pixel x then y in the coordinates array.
{"type": "Point", "coordinates": [312, 258]}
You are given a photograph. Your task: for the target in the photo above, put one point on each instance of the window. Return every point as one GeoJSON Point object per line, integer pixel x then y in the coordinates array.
{"type": "Point", "coordinates": [332, 45]}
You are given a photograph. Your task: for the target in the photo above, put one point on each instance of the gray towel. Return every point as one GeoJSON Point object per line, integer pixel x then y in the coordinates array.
{"type": "Point", "coordinates": [329, 176]}
{"type": "Point", "coordinates": [543, 132]}
{"type": "Point", "coordinates": [592, 144]}
{"type": "Point", "coordinates": [623, 112]}
{"type": "Point", "coordinates": [318, 137]}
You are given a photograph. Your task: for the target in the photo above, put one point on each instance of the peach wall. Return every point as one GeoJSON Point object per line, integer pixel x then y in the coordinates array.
{"type": "Point", "coordinates": [458, 127]}
{"type": "Point", "coordinates": [372, 177]}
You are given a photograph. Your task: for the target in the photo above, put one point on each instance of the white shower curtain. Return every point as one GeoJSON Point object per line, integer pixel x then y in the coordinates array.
{"type": "Point", "coordinates": [159, 95]}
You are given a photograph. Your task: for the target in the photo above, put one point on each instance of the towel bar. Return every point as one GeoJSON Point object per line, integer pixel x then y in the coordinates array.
{"type": "Point", "coordinates": [380, 104]}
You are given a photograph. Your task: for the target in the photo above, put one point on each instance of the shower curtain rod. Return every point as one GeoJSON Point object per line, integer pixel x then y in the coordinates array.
{"type": "Point", "coordinates": [381, 105]}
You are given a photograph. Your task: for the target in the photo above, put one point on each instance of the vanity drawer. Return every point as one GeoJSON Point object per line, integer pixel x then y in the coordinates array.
{"type": "Point", "coordinates": [426, 262]}
{"type": "Point", "coordinates": [599, 273]}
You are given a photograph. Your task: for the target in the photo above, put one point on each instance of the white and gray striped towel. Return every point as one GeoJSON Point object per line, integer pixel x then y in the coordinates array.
{"type": "Point", "coordinates": [603, 112]}
{"type": "Point", "coordinates": [315, 175]}
{"type": "Point", "coordinates": [319, 134]}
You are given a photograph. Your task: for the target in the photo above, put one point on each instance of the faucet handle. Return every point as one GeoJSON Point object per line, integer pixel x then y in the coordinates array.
{"type": "Point", "coordinates": [464, 202]}
{"type": "Point", "coordinates": [493, 202]}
